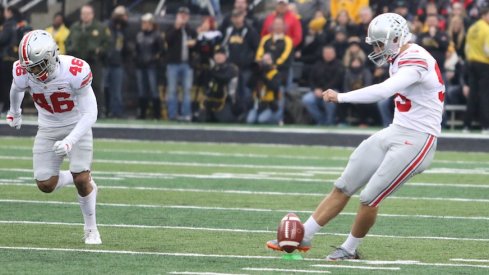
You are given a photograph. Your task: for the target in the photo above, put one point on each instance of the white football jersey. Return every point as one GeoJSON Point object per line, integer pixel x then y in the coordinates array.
{"type": "Point", "coordinates": [420, 105]}
{"type": "Point", "coordinates": [56, 99]}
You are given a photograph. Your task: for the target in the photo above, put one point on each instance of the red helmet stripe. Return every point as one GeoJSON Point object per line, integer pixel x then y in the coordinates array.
{"type": "Point", "coordinates": [25, 57]}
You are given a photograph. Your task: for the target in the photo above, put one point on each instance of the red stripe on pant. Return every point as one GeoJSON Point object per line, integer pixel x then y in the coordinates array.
{"type": "Point", "coordinates": [407, 172]}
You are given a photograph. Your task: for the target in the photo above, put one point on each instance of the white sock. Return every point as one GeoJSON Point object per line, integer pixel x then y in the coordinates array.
{"type": "Point", "coordinates": [64, 178]}
{"type": "Point", "coordinates": [311, 227]}
{"type": "Point", "coordinates": [351, 244]}
{"type": "Point", "coordinates": [87, 205]}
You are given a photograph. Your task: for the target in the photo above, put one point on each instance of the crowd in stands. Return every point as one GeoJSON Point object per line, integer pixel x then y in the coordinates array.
{"type": "Point", "coordinates": [240, 67]}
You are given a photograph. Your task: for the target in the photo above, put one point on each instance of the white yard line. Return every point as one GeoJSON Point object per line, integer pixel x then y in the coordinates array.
{"type": "Point", "coordinates": [265, 193]}
{"type": "Point", "coordinates": [233, 230]}
{"type": "Point", "coordinates": [333, 170]}
{"type": "Point", "coordinates": [470, 260]}
{"type": "Point", "coordinates": [355, 267]}
{"type": "Point", "coordinates": [117, 175]}
{"type": "Point", "coordinates": [284, 270]}
{"type": "Point", "coordinates": [202, 273]}
{"type": "Point", "coordinates": [423, 264]}
{"type": "Point", "coordinates": [211, 208]}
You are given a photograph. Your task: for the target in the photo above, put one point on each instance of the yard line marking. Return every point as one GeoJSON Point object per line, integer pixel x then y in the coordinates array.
{"type": "Point", "coordinates": [195, 207]}
{"type": "Point", "coordinates": [127, 252]}
{"type": "Point", "coordinates": [268, 193]}
{"type": "Point", "coordinates": [426, 264]}
{"type": "Point", "coordinates": [356, 267]}
{"type": "Point", "coordinates": [380, 262]}
{"type": "Point", "coordinates": [470, 260]}
{"type": "Point", "coordinates": [142, 175]}
{"type": "Point", "coordinates": [334, 170]}
{"type": "Point", "coordinates": [232, 230]}
{"type": "Point", "coordinates": [248, 155]}
{"type": "Point", "coordinates": [287, 270]}
{"type": "Point", "coordinates": [203, 273]}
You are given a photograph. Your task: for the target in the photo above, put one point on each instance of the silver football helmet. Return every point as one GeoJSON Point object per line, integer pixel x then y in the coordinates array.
{"type": "Point", "coordinates": [38, 54]}
{"type": "Point", "coordinates": [387, 32]}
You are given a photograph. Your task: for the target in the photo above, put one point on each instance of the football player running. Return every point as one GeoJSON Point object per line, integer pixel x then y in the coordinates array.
{"type": "Point", "coordinates": [386, 160]}
{"type": "Point", "coordinates": [60, 87]}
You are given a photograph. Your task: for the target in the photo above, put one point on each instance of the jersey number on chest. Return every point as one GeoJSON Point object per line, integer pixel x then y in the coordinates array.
{"type": "Point", "coordinates": [60, 102]}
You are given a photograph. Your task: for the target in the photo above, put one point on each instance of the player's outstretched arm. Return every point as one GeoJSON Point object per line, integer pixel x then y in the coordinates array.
{"type": "Point", "coordinates": [87, 106]}
{"type": "Point", "coordinates": [14, 115]}
{"type": "Point", "coordinates": [402, 79]}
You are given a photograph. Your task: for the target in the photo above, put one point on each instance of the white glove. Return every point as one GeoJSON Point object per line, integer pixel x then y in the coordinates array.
{"type": "Point", "coordinates": [62, 147]}
{"type": "Point", "coordinates": [14, 120]}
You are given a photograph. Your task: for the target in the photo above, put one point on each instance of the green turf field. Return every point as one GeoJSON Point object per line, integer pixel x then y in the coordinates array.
{"type": "Point", "coordinates": [187, 208]}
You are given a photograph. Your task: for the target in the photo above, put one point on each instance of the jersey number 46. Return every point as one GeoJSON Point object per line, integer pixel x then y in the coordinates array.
{"type": "Point", "coordinates": [60, 102]}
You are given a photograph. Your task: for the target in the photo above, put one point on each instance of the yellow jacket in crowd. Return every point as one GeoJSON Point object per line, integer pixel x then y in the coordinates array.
{"type": "Point", "coordinates": [60, 37]}
{"type": "Point", "coordinates": [477, 42]}
{"type": "Point", "coordinates": [353, 8]}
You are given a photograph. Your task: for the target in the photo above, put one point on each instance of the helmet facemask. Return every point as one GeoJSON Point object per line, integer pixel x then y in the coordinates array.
{"type": "Point", "coordinates": [387, 33]}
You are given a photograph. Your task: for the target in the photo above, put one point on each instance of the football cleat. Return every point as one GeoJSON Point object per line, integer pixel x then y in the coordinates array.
{"type": "Point", "coordinates": [303, 246]}
{"type": "Point", "coordinates": [340, 254]}
{"type": "Point", "coordinates": [92, 237]}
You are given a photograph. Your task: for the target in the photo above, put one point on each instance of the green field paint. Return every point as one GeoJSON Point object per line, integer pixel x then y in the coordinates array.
{"type": "Point", "coordinates": [292, 257]}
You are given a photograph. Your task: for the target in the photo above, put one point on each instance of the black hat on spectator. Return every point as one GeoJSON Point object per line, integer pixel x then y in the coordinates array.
{"type": "Point", "coordinates": [183, 10]}
{"type": "Point", "coordinates": [219, 49]}
{"type": "Point", "coordinates": [401, 4]}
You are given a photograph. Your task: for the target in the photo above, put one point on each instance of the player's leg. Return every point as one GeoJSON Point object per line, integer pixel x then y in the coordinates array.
{"type": "Point", "coordinates": [363, 162]}
{"type": "Point", "coordinates": [410, 153]}
{"type": "Point", "coordinates": [46, 163]}
{"type": "Point", "coordinates": [80, 162]}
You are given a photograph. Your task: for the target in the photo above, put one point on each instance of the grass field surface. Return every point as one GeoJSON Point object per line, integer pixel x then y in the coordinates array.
{"type": "Point", "coordinates": [202, 208]}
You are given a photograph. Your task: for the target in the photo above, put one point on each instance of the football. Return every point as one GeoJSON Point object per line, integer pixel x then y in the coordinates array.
{"type": "Point", "coordinates": [290, 232]}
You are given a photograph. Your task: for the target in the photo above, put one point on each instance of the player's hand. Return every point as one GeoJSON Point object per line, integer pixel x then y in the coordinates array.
{"type": "Point", "coordinates": [330, 96]}
{"type": "Point", "coordinates": [14, 120]}
{"type": "Point", "coordinates": [62, 147]}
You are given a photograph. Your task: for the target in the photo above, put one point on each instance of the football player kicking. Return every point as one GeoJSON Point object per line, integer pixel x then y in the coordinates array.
{"type": "Point", "coordinates": [60, 87]}
{"type": "Point", "coordinates": [387, 159]}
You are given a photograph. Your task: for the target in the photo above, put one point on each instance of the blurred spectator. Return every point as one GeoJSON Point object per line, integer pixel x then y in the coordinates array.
{"type": "Point", "coordinates": [457, 89]}
{"type": "Point", "coordinates": [431, 9]}
{"type": "Point", "coordinates": [89, 40]}
{"type": "Point", "coordinates": [357, 76]}
{"type": "Point", "coordinates": [116, 54]}
{"type": "Point", "coordinates": [149, 47]}
{"type": "Point", "coordinates": [59, 32]}
{"type": "Point", "coordinates": [401, 7]}
{"type": "Point", "coordinates": [180, 38]}
{"type": "Point", "coordinates": [456, 35]}
{"type": "Point", "coordinates": [477, 53]}
{"type": "Point", "coordinates": [207, 38]}
{"type": "Point", "coordinates": [292, 28]}
{"type": "Point", "coordinates": [265, 83]}
{"type": "Point", "coordinates": [354, 51]}
{"type": "Point", "coordinates": [458, 10]}
{"type": "Point", "coordinates": [434, 41]}
{"type": "Point", "coordinates": [9, 43]}
{"type": "Point", "coordinates": [342, 23]}
{"type": "Point", "coordinates": [340, 42]}
{"type": "Point", "coordinates": [327, 73]}
{"type": "Point", "coordinates": [312, 46]}
{"type": "Point", "coordinates": [308, 8]}
{"type": "Point", "coordinates": [279, 46]}
{"type": "Point", "coordinates": [352, 7]}
{"type": "Point", "coordinates": [240, 6]}
{"type": "Point", "coordinates": [220, 94]}
{"type": "Point", "coordinates": [241, 42]}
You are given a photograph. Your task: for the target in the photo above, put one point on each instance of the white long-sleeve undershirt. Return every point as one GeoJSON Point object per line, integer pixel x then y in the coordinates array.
{"type": "Point", "coordinates": [402, 79]}
{"type": "Point", "coordinates": [16, 97]}
{"type": "Point", "coordinates": [87, 106]}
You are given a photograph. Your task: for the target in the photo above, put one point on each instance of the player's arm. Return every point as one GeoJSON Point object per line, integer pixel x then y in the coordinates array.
{"type": "Point", "coordinates": [405, 77]}
{"type": "Point", "coordinates": [87, 106]}
{"type": "Point", "coordinates": [17, 92]}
